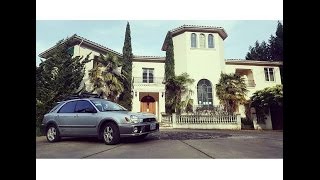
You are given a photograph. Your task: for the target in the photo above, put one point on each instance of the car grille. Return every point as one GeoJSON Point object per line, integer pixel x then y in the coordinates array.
{"type": "Point", "coordinates": [149, 119]}
{"type": "Point", "coordinates": [147, 128]}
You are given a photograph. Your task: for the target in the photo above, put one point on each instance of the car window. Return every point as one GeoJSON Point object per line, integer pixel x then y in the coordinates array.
{"type": "Point", "coordinates": [68, 107]}
{"type": "Point", "coordinates": [57, 104]}
{"type": "Point", "coordinates": [82, 105]}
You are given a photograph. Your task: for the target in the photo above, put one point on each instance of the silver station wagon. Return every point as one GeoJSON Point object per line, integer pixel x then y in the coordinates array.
{"type": "Point", "coordinates": [97, 117]}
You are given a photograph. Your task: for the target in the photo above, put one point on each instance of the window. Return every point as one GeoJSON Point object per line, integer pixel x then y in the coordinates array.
{"type": "Point", "coordinates": [58, 104]}
{"type": "Point", "coordinates": [193, 40]}
{"type": "Point", "coordinates": [147, 75]}
{"type": "Point", "coordinates": [269, 74]}
{"type": "Point", "coordinates": [204, 91]}
{"type": "Point", "coordinates": [210, 41]}
{"type": "Point", "coordinates": [82, 106]}
{"type": "Point", "coordinates": [68, 107]}
{"type": "Point", "coordinates": [202, 41]}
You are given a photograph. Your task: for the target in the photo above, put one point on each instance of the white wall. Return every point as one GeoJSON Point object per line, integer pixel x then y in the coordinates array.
{"type": "Point", "coordinates": [258, 76]}
{"type": "Point", "coordinates": [156, 87]}
{"type": "Point", "coordinates": [82, 51]}
{"type": "Point", "coordinates": [137, 68]}
{"type": "Point", "coordinates": [199, 63]}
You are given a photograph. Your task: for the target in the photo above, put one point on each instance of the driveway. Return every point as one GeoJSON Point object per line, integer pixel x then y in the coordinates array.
{"type": "Point", "coordinates": [173, 144]}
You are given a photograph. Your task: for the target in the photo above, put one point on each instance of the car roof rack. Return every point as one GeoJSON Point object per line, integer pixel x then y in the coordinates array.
{"type": "Point", "coordinates": [83, 95]}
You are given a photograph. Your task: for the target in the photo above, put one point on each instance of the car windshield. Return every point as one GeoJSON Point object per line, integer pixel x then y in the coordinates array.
{"type": "Point", "coordinates": [104, 105]}
{"type": "Point", "coordinates": [56, 105]}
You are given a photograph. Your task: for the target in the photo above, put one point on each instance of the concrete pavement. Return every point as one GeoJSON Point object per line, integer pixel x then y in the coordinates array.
{"type": "Point", "coordinates": [172, 144]}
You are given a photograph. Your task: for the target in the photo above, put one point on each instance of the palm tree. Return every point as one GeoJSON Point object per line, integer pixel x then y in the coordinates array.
{"type": "Point", "coordinates": [177, 88]}
{"type": "Point", "coordinates": [106, 77]}
{"type": "Point", "coordinates": [231, 91]}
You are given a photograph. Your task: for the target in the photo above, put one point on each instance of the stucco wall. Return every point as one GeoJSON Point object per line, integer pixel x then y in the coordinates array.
{"type": "Point", "coordinates": [157, 87]}
{"type": "Point", "coordinates": [199, 63]}
{"type": "Point", "coordinates": [258, 76]}
{"type": "Point", "coordinates": [83, 51]}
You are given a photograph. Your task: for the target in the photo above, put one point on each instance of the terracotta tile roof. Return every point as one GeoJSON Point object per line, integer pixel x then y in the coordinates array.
{"type": "Point", "coordinates": [252, 62]}
{"type": "Point", "coordinates": [195, 28]}
{"type": "Point", "coordinates": [79, 39]}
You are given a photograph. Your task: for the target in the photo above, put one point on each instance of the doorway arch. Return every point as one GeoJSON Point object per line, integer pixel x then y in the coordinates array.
{"type": "Point", "coordinates": [147, 104]}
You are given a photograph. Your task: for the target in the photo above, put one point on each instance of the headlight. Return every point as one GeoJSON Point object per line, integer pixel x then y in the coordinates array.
{"type": "Point", "coordinates": [133, 119]}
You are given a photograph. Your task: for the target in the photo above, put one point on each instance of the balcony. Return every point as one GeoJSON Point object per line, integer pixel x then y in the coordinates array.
{"type": "Point", "coordinates": [148, 82]}
{"type": "Point", "coordinates": [250, 83]}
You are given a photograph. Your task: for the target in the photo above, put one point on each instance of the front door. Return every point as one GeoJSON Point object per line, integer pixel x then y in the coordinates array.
{"type": "Point", "coordinates": [148, 107]}
{"type": "Point", "coordinates": [148, 104]}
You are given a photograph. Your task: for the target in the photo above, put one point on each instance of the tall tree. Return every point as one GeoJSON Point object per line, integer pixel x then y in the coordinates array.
{"type": "Point", "coordinates": [106, 78]}
{"type": "Point", "coordinates": [231, 91]}
{"type": "Point", "coordinates": [58, 77]}
{"type": "Point", "coordinates": [259, 52]}
{"type": "Point", "coordinates": [169, 62]}
{"type": "Point", "coordinates": [276, 44]}
{"type": "Point", "coordinates": [125, 98]}
{"type": "Point", "coordinates": [169, 73]}
{"type": "Point", "coordinates": [178, 86]}
{"type": "Point", "coordinates": [273, 51]}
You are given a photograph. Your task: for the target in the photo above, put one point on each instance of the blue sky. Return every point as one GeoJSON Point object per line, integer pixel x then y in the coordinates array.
{"type": "Point", "coordinates": [147, 35]}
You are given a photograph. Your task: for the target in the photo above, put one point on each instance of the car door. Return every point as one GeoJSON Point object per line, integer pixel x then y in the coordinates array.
{"type": "Point", "coordinates": [65, 116]}
{"type": "Point", "coordinates": [86, 119]}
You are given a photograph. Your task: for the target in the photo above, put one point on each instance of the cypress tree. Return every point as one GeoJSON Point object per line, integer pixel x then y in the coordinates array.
{"type": "Point", "coordinates": [125, 98]}
{"type": "Point", "coordinates": [169, 73]}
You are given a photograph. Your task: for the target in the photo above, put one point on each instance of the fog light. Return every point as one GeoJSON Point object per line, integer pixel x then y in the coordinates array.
{"type": "Point", "coordinates": [135, 129]}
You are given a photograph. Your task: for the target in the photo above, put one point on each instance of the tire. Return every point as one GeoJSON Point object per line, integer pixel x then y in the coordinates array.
{"type": "Point", "coordinates": [52, 134]}
{"type": "Point", "coordinates": [110, 134]}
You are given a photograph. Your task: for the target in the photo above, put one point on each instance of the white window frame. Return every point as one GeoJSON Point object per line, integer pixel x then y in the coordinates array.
{"type": "Point", "coordinates": [195, 41]}
{"type": "Point", "coordinates": [148, 73]}
{"type": "Point", "coordinates": [204, 40]}
{"type": "Point", "coordinates": [212, 41]}
{"type": "Point", "coordinates": [268, 73]}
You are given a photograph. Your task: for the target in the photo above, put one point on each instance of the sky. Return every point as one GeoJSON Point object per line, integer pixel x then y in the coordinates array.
{"type": "Point", "coordinates": [147, 36]}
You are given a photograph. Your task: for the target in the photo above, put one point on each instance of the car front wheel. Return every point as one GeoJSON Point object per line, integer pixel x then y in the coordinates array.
{"type": "Point", "coordinates": [111, 134]}
{"type": "Point", "coordinates": [53, 134]}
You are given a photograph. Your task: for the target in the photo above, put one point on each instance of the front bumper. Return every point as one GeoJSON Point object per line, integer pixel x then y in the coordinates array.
{"type": "Point", "coordinates": [127, 130]}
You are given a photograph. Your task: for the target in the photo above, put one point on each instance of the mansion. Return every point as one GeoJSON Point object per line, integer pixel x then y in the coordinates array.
{"type": "Point", "coordinates": [198, 51]}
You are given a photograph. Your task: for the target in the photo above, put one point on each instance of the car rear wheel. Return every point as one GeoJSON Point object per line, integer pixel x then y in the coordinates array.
{"type": "Point", "coordinates": [53, 134]}
{"type": "Point", "coordinates": [111, 134]}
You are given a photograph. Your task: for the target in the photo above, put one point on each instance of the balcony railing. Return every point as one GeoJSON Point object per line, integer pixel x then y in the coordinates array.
{"type": "Point", "coordinates": [154, 80]}
{"type": "Point", "coordinates": [250, 83]}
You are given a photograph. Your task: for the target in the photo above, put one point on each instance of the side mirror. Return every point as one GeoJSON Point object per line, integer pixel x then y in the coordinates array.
{"type": "Point", "coordinates": [90, 110]}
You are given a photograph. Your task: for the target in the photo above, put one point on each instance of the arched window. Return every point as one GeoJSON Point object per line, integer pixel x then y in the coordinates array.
{"type": "Point", "coordinates": [210, 41]}
{"type": "Point", "coordinates": [204, 90]}
{"type": "Point", "coordinates": [202, 41]}
{"type": "Point", "coordinates": [193, 40]}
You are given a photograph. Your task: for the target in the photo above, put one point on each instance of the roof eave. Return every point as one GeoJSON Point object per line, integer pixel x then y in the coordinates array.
{"type": "Point", "coordinates": [79, 39]}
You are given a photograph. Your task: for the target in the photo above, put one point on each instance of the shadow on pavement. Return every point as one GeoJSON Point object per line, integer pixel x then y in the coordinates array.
{"type": "Point", "coordinates": [155, 136]}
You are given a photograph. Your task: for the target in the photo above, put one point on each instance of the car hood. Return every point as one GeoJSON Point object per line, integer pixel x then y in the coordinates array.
{"type": "Point", "coordinates": [140, 115]}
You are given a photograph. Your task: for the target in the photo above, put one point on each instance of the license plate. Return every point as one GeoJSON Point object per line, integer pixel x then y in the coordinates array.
{"type": "Point", "coordinates": [153, 126]}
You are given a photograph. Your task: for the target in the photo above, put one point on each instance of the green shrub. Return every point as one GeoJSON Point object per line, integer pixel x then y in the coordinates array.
{"type": "Point", "coordinates": [246, 121]}
{"type": "Point", "coordinates": [38, 132]}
